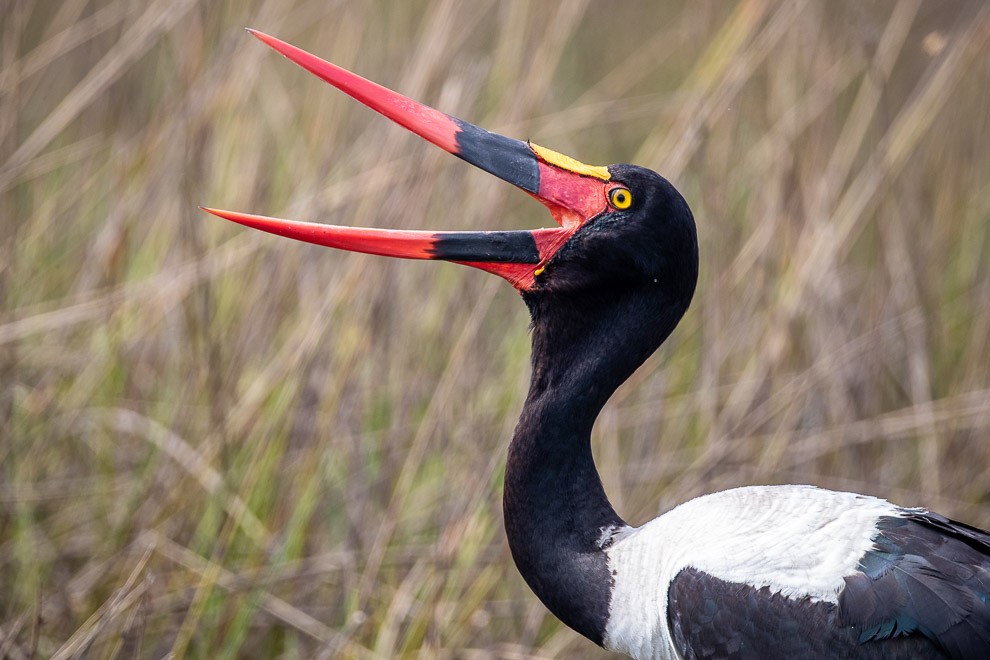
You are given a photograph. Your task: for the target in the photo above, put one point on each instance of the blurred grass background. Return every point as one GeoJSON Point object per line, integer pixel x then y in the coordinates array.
{"type": "Point", "coordinates": [216, 443]}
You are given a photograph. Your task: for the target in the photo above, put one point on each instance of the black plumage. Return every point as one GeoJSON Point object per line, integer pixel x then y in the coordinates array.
{"type": "Point", "coordinates": [712, 618]}
{"type": "Point", "coordinates": [926, 576]}
{"type": "Point", "coordinates": [922, 591]}
{"type": "Point", "coordinates": [594, 322]}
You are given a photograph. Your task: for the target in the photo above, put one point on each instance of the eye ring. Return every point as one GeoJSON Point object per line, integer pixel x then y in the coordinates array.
{"type": "Point", "coordinates": [620, 198]}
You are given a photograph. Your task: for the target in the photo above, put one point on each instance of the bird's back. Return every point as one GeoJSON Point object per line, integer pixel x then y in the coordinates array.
{"type": "Point", "coordinates": [802, 572]}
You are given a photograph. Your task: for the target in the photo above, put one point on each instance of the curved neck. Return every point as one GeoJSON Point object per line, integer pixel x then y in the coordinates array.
{"type": "Point", "coordinates": [557, 515]}
{"type": "Point", "coordinates": [558, 519]}
{"type": "Point", "coordinates": [553, 494]}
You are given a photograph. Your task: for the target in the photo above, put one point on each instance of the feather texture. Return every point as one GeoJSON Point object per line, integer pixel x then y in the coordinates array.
{"type": "Point", "coordinates": [795, 571]}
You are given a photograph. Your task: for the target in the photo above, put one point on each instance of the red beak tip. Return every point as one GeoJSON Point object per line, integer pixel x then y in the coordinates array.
{"type": "Point", "coordinates": [226, 215]}
{"type": "Point", "coordinates": [265, 38]}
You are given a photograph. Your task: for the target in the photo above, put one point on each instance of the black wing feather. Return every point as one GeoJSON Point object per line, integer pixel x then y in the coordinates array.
{"type": "Point", "coordinates": [923, 591]}
{"type": "Point", "coordinates": [711, 618]}
{"type": "Point", "coordinates": [925, 575]}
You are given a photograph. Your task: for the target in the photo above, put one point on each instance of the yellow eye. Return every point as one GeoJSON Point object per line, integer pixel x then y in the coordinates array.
{"type": "Point", "coordinates": [620, 198]}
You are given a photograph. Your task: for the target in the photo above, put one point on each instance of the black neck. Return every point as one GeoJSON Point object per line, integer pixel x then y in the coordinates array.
{"type": "Point", "coordinates": [557, 516]}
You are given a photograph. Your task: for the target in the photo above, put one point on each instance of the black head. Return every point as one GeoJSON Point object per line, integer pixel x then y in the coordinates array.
{"type": "Point", "coordinates": [651, 245]}
{"type": "Point", "coordinates": [624, 279]}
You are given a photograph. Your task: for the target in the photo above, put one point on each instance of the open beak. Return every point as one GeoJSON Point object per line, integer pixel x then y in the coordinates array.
{"type": "Point", "coordinates": [572, 191]}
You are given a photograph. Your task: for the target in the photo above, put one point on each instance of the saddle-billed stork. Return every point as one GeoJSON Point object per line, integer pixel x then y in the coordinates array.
{"type": "Point", "coordinates": [759, 572]}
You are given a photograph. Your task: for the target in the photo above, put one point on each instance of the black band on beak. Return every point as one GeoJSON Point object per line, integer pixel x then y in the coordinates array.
{"type": "Point", "coordinates": [509, 159]}
{"type": "Point", "coordinates": [518, 247]}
